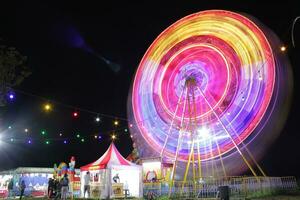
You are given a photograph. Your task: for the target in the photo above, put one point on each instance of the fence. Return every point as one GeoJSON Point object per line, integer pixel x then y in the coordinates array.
{"type": "Point", "coordinates": [208, 187]}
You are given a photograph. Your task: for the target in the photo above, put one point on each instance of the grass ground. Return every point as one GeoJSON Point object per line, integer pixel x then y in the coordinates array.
{"type": "Point", "coordinates": [279, 197]}
{"type": "Point", "coordinates": [289, 196]}
{"type": "Point", "coordinates": [293, 195]}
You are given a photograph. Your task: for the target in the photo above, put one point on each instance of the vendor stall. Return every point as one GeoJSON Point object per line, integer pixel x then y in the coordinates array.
{"type": "Point", "coordinates": [36, 180]}
{"type": "Point", "coordinates": [112, 176]}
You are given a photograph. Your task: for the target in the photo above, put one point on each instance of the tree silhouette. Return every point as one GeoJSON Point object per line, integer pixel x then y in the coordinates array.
{"type": "Point", "coordinates": [12, 70]}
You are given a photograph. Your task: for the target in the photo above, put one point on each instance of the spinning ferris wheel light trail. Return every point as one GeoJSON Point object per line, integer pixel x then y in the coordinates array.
{"type": "Point", "coordinates": [292, 32]}
{"type": "Point", "coordinates": [204, 91]}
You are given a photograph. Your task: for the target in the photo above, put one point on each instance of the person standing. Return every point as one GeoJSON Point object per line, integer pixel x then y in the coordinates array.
{"type": "Point", "coordinates": [22, 188]}
{"type": "Point", "coordinates": [50, 187]}
{"type": "Point", "coordinates": [116, 178]}
{"type": "Point", "coordinates": [86, 180]}
{"type": "Point", "coordinates": [10, 188]}
{"type": "Point", "coordinates": [57, 190]}
{"type": "Point", "coordinates": [64, 187]}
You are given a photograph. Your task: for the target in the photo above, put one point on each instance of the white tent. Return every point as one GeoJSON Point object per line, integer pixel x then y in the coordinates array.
{"type": "Point", "coordinates": [113, 176]}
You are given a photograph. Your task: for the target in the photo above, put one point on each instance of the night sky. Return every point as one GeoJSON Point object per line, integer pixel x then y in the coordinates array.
{"type": "Point", "coordinates": [65, 44]}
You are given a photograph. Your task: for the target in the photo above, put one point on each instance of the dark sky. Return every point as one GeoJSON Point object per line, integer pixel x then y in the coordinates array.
{"type": "Point", "coordinates": [61, 39]}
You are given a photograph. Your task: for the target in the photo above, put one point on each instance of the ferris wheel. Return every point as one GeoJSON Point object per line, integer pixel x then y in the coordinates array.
{"type": "Point", "coordinates": [205, 88]}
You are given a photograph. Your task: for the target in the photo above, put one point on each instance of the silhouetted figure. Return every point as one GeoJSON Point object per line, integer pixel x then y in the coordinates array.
{"type": "Point", "coordinates": [64, 187]}
{"type": "Point", "coordinates": [116, 178]}
{"type": "Point", "coordinates": [50, 187]}
{"type": "Point", "coordinates": [57, 190]}
{"type": "Point", "coordinates": [10, 188]}
{"type": "Point", "coordinates": [22, 188]}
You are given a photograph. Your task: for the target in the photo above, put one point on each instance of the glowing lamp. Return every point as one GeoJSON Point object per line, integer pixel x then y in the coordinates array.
{"type": "Point", "coordinates": [116, 122]}
{"type": "Point", "coordinates": [283, 48]}
{"type": "Point", "coordinates": [97, 119]}
{"type": "Point", "coordinates": [75, 114]}
{"type": "Point", "coordinates": [47, 107]}
{"type": "Point", "coordinates": [113, 137]}
{"type": "Point", "coordinates": [11, 96]}
{"type": "Point", "coordinates": [26, 130]}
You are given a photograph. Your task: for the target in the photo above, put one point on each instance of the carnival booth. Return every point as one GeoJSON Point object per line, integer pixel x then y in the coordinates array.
{"type": "Point", "coordinates": [156, 169]}
{"type": "Point", "coordinates": [36, 180]}
{"type": "Point", "coordinates": [112, 176]}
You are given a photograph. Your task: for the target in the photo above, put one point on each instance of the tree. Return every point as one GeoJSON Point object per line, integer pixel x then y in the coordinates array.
{"type": "Point", "coordinates": [12, 70]}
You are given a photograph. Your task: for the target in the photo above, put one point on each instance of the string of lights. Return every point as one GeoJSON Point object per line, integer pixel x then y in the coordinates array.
{"type": "Point", "coordinates": [61, 138]}
{"type": "Point", "coordinates": [49, 106]}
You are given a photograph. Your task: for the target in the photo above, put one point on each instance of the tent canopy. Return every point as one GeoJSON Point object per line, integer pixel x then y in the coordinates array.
{"type": "Point", "coordinates": [111, 157]}
{"type": "Point", "coordinates": [25, 170]}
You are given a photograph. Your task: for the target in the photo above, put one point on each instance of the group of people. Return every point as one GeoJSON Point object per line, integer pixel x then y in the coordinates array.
{"type": "Point", "coordinates": [58, 189]}
{"type": "Point", "coordinates": [22, 186]}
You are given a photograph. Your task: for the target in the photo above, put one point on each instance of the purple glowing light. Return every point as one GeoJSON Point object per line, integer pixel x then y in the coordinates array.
{"type": "Point", "coordinates": [11, 96]}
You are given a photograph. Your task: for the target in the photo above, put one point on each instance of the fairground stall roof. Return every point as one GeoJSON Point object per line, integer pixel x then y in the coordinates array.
{"type": "Point", "coordinates": [111, 157]}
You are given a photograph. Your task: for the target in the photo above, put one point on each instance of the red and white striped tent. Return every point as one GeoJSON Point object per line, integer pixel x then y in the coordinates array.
{"type": "Point", "coordinates": [109, 165]}
{"type": "Point", "coordinates": [111, 157]}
